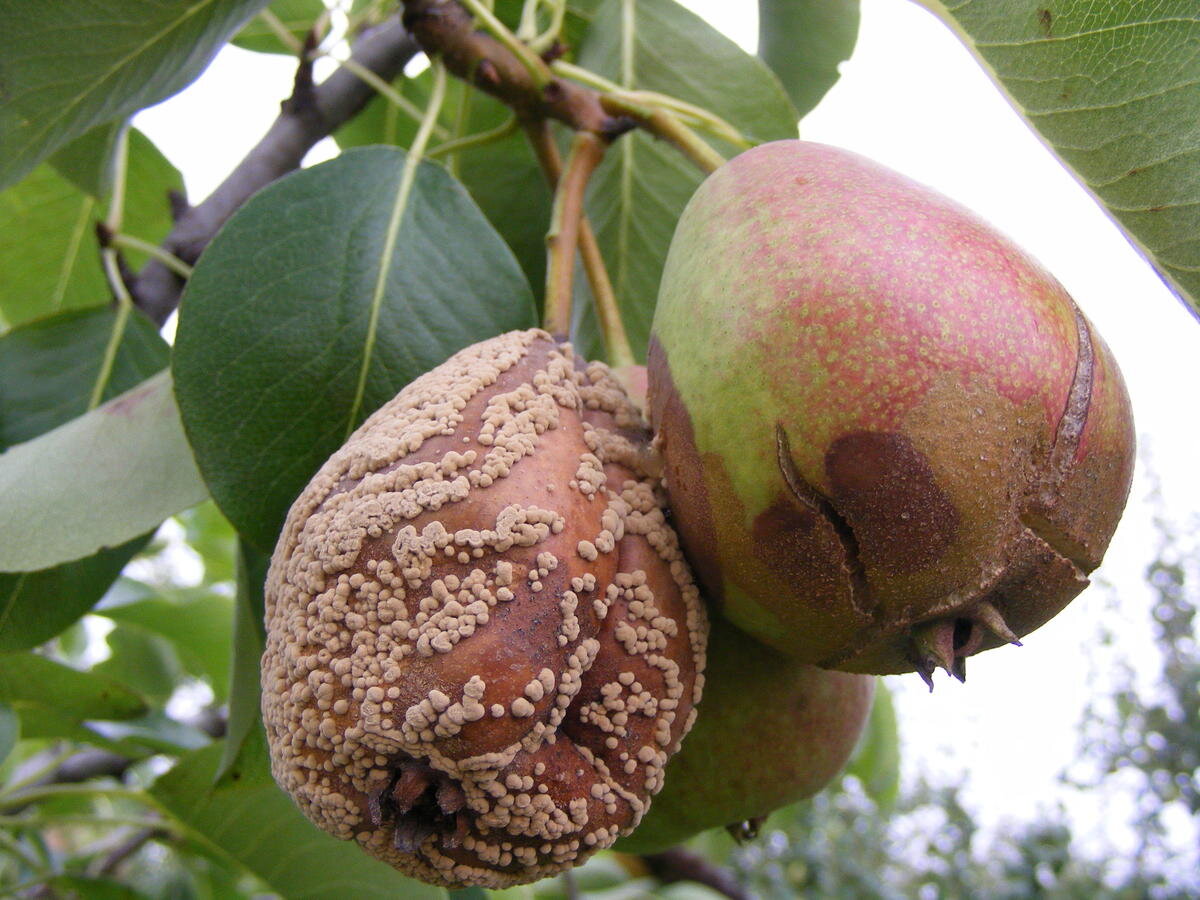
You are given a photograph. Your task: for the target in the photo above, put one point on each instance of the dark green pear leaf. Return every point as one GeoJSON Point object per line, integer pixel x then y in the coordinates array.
{"type": "Point", "coordinates": [49, 256]}
{"type": "Point", "coordinates": [68, 66]}
{"type": "Point", "coordinates": [245, 817]}
{"type": "Point", "coordinates": [382, 122]}
{"type": "Point", "coordinates": [10, 730]}
{"type": "Point", "coordinates": [637, 194]}
{"type": "Point", "coordinates": [296, 16]}
{"type": "Point", "coordinates": [804, 42]}
{"type": "Point", "coordinates": [197, 625]}
{"type": "Point", "coordinates": [49, 367]}
{"type": "Point", "coordinates": [35, 606]}
{"type": "Point", "coordinates": [131, 458]}
{"type": "Point", "coordinates": [505, 180]}
{"type": "Point", "coordinates": [876, 759]}
{"type": "Point", "coordinates": [1113, 86]}
{"type": "Point", "coordinates": [323, 296]}
{"type": "Point", "coordinates": [502, 176]}
{"type": "Point", "coordinates": [29, 682]}
{"type": "Point", "coordinates": [245, 690]}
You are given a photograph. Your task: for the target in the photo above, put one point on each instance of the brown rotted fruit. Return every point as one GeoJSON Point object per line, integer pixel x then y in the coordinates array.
{"type": "Point", "coordinates": [483, 644]}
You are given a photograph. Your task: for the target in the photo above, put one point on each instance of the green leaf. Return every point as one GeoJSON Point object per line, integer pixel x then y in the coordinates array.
{"type": "Point", "coordinates": [876, 759]}
{"type": "Point", "coordinates": [575, 24]}
{"type": "Point", "coordinates": [30, 683]}
{"type": "Point", "coordinates": [47, 371]}
{"type": "Point", "coordinates": [70, 65]}
{"type": "Point", "coordinates": [247, 818]}
{"type": "Point", "coordinates": [93, 888]}
{"type": "Point", "coordinates": [502, 176]}
{"type": "Point", "coordinates": [1113, 86]}
{"type": "Point", "coordinates": [49, 257]}
{"type": "Point", "coordinates": [87, 162]}
{"type": "Point", "coordinates": [142, 660]}
{"type": "Point", "coordinates": [48, 368]}
{"type": "Point", "coordinates": [323, 296]}
{"type": "Point", "coordinates": [198, 626]}
{"type": "Point", "coordinates": [639, 191]}
{"type": "Point", "coordinates": [804, 42]}
{"type": "Point", "coordinates": [155, 732]}
{"type": "Point", "coordinates": [505, 180]}
{"type": "Point", "coordinates": [382, 122]}
{"type": "Point", "coordinates": [10, 730]}
{"type": "Point", "coordinates": [212, 537]}
{"type": "Point", "coordinates": [297, 16]}
{"type": "Point", "coordinates": [129, 458]}
{"type": "Point", "coordinates": [245, 691]}
{"type": "Point", "coordinates": [35, 606]}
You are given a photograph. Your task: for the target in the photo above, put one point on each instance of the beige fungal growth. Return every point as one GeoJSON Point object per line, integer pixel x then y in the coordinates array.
{"type": "Point", "coordinates": [483, 642]}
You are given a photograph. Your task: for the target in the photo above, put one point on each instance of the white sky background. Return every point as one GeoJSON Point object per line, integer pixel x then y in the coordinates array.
{"type": "Point", "coordinates": [913, 98]}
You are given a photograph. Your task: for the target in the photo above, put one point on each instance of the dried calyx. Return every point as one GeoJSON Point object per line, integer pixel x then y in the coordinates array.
{"type": "Point", "coordinates": [483, 642]}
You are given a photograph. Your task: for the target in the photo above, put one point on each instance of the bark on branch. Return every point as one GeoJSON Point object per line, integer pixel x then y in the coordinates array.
{"type": "Point", "coordinates": [311, 113]}
{"type": "Point", "coordinates": [678, 864]}
{"type": "Point", "coordinates": [446, 29]}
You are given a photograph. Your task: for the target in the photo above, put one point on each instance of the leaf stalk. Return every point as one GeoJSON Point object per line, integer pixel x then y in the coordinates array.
{"type": "Point", "coordinates": [587, 150]}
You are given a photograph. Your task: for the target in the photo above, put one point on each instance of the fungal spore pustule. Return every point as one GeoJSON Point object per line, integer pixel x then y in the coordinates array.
{"type": "Point", "coordinates": [483, 641]}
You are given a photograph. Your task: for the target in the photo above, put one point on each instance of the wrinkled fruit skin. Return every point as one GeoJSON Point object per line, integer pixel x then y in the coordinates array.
{"type": "Point", "coordinates": [483, 643]}
{"type": "Point", "coordinates": [771, 731]}
{"type": "Point", "coordinates": [887, 430]}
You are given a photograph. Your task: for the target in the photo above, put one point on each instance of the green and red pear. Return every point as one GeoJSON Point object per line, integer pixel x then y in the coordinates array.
{"type": "Point", "coordinates": [891, 438]}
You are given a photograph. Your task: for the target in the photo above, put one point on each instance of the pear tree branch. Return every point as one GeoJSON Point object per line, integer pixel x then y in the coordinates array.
{"type": "Point", "coordinates": [313, 112]}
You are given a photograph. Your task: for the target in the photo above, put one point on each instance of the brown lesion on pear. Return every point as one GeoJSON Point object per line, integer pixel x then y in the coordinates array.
{"type": "Point", "coordinates": [886, 489]}
{"type": "Point", "coordinates": [693, 515]}
{"type": "Point", "coordinates": [885, 506]}
{"type": "Point", "coordinates": [779, 521]}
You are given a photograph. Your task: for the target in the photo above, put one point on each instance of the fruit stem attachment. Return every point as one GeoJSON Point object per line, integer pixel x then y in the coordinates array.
{"type": "Point", "coordinates": [612, 327]}
{"type": "Point", "coordinates": [667, 126]}
{"type": "Point", "coordinates": [702, 118]}
{"type": "Point", "coordinates": [586, 152]}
